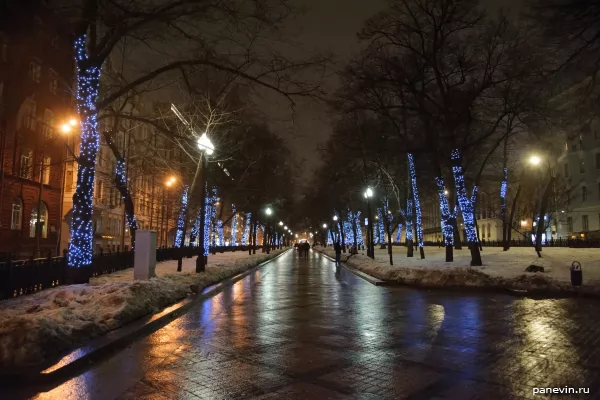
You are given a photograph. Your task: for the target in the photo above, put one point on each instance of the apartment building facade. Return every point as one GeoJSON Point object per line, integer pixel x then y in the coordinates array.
{"type": "Point", "coordinates": [36, 75]}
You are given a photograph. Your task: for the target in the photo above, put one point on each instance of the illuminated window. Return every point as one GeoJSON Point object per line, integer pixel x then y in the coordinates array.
{"type": "Point", "coordinates": [17, 214]}
{"type": "Point", "coordinates": [43, 219]}
{"type": "Point", "coordinates": [48, 123]}
{"type": "Point", "coordinates": [46, 170]}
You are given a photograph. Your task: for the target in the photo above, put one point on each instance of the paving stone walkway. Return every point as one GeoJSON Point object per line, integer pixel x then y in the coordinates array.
{"type": "Point", "coordinates": [297, 330]}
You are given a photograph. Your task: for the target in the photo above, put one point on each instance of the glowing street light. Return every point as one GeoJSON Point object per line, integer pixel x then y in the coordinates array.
{"type": "Point", "coordinates": [535, 160]}
{"type": "Point", "coordinates": [335, 217]}
{"type": "Point", "coordinates": [368, 193]}
{"type": "Point", "coordinates": [324, 226]}
{"type": "Point", "coordinates": [268, 211]}
{"type": "Point", "coordinates": [285, 227]}
{"type": "Point", "coordinates": [446, 193]}
{"type": "Point", "coordinates": [205, 144]}
{"type": "Point", "coordinates": [280, 223]}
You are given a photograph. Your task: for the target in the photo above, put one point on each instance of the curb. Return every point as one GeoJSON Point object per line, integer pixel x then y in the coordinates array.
{"type": "Point", "coordinates": [533, 293]}
{"type": "Point", "coordinates": [74, 362]}
{"type": "Point", "coordinates": [372, 280]}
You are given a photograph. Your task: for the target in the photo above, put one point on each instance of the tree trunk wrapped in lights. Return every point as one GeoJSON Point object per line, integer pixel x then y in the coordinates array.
{"type": "Point", "coordinates": [180, 233]}
{"type": "Point", "coordinates": [233, 226]}
{"type": "Point", "coordinates": [503, 213]}
{"type": "Point", "coordinates": [409, 229]}
{"type": "Point", "coordinates": [446, 219]}
{"type": "Point", "coordinates": [466, 207]}
{"type": "Point", "coordinates": [415, 193]}
{"type": "Point", "coordinates": [381, 228]}
{"type": "Point", "coordinates": [399, 233]}
{"type": "Point", "coordinates": [247, 229]}
{"type": "Point", "coordinates": [88, 83]}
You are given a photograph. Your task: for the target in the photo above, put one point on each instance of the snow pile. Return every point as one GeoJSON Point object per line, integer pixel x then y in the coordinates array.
{"type": "Point", "coordinates": [500, 269]}
{"type": "Point", "coordinates": [43, 325]}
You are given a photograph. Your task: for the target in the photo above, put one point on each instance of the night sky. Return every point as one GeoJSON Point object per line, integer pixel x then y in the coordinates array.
{"type": "Point", "coordinates": [326, 26]}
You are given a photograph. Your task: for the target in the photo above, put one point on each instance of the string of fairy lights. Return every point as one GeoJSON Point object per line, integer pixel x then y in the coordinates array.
{"type": "Point", "coordinates": [246, 229]}
{"type": "Point", "coordinates": [409, 227]}
{"type": "Point", "coordinates": [415, 192]}
{"type": "Point", "coordinates": [234, 226]}
{"type": "Point", "coordinates": [447, 229]}
{"type": "Point", "coordinates": [179, 234]}
{"type": "Point", "coordinates": [466, 206]}
{"type": "Point", "coordinates": [88, 83]}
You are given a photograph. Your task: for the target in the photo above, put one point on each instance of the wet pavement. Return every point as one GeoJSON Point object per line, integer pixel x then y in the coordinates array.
{"type": "Point", "coordinates": [295, 329]}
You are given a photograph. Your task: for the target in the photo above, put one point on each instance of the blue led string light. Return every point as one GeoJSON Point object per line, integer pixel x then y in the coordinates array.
{"type": "Point", "coordinates": [359, 239]}
{"type": "Point", "coordinates": [121, 175]}
{"type": "Point", "coordinates": [447, 229]}
{"type": "Point", "coordinates": [399, 233]}
{"type": "Point", "coordinates": [233, 226]}
{"type": "Point", "coordinates": [246, 230]}
{"type": "Point", "coordinates": [380, 227]}
{"type": "Point", "coordinates": [195, 232]}
{"type": "Point", "coordinates": [415, 191]}
{"type": "Point", "coordinates": [179, 234]}
{"type": "Point", "coordinates": [466, 206]}
{"type": "Point", "coordinates": [207, 223]}
{"type": "Point", "coordinates": [220, 232]}
{"type": "Point", "coordinates": [213, 216]}
{"type": "Point", "coordinates": [82, 233]}
{"type": "Point", "coordinates": [409, 211]}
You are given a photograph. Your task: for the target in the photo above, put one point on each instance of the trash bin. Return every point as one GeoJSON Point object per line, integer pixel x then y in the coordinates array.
{"type": "Point", "coordinates": [576, 274]}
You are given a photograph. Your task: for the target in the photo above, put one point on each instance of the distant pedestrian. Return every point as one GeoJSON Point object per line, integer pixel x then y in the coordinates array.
{"type": "Point", "coordinates": [338, 252]}
{"type": "Point", "coordinates": [306, 249]}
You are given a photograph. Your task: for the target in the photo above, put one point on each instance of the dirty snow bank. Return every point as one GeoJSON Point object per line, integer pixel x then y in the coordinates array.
{"type": "Point", "coordinates": [500, 269]}
{"type": "Point", "coordinates": [38, 327]}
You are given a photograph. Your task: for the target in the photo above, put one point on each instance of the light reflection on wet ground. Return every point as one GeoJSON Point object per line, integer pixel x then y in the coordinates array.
{"type": "Point", "coordinates": [295, 330]}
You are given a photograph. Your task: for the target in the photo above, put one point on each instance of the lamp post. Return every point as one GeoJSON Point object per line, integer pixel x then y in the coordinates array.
{"type": "Point", "coordinates": [370, 251]}
{"type": "Point", "coordinates": [267, 231]}
{"type": "Point", "coordinates": [66, 129]}
{"type": "Point", "coordinates": [536, 160]}
{"type": "Point", "coordinates": [206, 149]}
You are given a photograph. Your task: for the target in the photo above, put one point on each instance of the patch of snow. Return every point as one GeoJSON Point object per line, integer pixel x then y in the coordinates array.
{"type": "Point", "coordinates": [501, 268]}
{"type": "Point", "coordinates": [40, 326]}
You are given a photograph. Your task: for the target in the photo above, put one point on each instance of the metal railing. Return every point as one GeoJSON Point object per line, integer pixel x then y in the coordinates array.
{"type": "Point", "coordinates": [23, 277]}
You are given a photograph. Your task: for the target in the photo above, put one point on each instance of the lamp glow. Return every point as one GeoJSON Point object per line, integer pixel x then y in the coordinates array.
{"type": "Point", "coordinates": [535, 160]}
{"type": "Point", "coordinates": [205, 144]}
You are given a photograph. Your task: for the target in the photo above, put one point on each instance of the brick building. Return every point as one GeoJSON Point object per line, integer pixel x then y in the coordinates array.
{"type": "Point", "coordinates": [36, 75]}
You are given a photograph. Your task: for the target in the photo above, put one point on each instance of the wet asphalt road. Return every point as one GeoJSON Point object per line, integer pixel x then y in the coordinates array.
{"type": "Point", "coordinates": [295, 329]}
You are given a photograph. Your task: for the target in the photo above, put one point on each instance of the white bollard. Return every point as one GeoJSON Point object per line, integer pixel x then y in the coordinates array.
{"type": "Point", "coordinates": [144, 263]}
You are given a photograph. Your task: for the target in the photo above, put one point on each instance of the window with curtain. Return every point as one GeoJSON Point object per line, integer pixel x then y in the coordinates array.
{"type": "Point", "coordinates": [17, 214]}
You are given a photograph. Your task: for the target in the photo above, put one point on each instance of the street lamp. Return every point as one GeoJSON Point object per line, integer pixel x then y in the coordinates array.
{"type": "Point", "coordinates": [66, 129]}
{"type": "Point", "coordinates": [335, 217]}
{"type": "Point", "coordinates": [267, 232]}
{"type": "Point", "coordinates": [280, 223]}
{"type": "Point", "coordinates": [324, 226]}
{"type": "Point", "coordinates": [285, 228]}
{"type": "Point", "coordinates": [206, 148]}
{"type": "Point", "coordinates": [370, 251]}
{"type": "Point", "coordinates": [535, 160]}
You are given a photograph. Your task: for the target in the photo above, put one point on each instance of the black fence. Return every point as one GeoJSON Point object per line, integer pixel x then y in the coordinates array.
{"type": "Point", "coordinates": [23, 277]}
